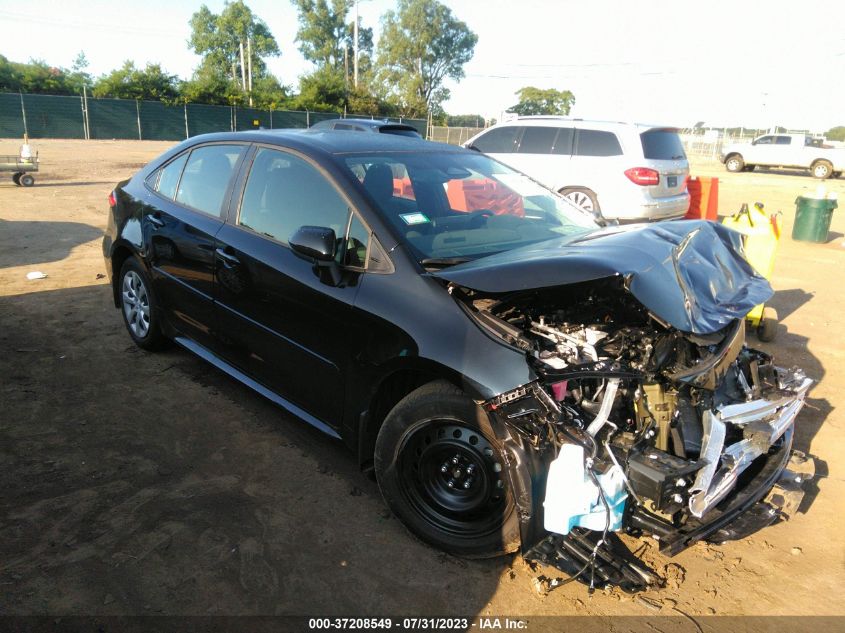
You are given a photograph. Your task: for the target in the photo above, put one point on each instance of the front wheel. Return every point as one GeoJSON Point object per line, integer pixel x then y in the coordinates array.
{"type": "Point", "coordinates": [26, 180]}
{"type": "Point", "coordinates": [734, 163]}
{"type": "Point", "coordinates": [822, 169]}
{"type": "Point", "coordinates": [16, 178]}
{"type": "Point", "coordinates": [442, 472]}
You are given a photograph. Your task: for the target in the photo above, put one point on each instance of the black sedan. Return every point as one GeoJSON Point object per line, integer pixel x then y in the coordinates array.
{"type": "Point", "coordinates": [512, 372]}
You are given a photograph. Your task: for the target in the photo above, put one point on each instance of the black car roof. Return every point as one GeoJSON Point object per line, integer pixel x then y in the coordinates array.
{"type": "Point", "coordinates": [372, 123]}
{"type": "Point", "coordinates": [330, 141]}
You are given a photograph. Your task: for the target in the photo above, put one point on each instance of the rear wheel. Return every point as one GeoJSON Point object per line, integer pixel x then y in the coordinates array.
{"type": "Point", "coordinates": [734, 163]}
{"type": "Point", "coordinates": [583, 198]}
{"type": "Point", "coordinates": [822, 169]}
{"type": "Point", "coordinates": [27, 180]}
{"type": "Point", "coordinates": [442, 472]}
{"type": "Point", "coordinates": [748, 168]}
{"type": "Point", "coordinates": [138, 306]}
{"type": "Point", "coordinates": [16, 178]}
{"type": "Point", "coordinates": [837, 174]}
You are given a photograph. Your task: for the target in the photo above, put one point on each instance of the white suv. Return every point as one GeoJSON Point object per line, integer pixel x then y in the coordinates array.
{"type": "Point", "coordinates": [625, 171]}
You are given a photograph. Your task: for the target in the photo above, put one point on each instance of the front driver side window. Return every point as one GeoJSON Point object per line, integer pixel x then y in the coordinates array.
{"type": "Point", "coordinates": [284, 193]}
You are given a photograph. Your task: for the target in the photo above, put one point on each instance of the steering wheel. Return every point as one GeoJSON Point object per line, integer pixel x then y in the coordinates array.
{"type": "Point", "coordinates": [476, 218]}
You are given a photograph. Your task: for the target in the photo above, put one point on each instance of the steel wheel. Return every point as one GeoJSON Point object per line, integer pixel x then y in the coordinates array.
{"type": "Point", "coordinates": [734, 163]}
{"type": "Point", "coordinates": [822, 169]}
{"type": "Point", "coordinates": [452, 478]}
{"type": "Point", "coordinates": [441, 470]}
{"type": "Point", "coordinates": [136, 304]}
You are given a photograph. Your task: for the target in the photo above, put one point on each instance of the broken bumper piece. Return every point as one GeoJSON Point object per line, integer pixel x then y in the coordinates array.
{"type": "Point", "coordinates": [774, 494]}
{"type": "Point", "coordinates": [762, 421]}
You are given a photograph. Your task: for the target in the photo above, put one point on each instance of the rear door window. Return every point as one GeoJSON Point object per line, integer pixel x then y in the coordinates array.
{"type": "Point", "coordinates": [662, 145]}
{"type": "Point", "coordinates": [537, 140]}
{"type": "Point", "coordinates": [206, 177]}
{"type": "Point", "coordinates": [500, 140]}
{"type": "Point", "coordinates": [169, 178]}
{"type": "Point", "coordinates": [563, 141]}
{"type": "Point", "coordinates": [597, 143]}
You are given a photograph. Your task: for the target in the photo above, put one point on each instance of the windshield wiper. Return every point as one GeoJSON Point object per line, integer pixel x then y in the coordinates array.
{"type": "Point", "coordinates": [441, 262]}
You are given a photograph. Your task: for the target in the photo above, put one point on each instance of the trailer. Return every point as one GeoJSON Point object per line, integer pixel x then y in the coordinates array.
{"type": "Point", "coordinates": [20, 168]}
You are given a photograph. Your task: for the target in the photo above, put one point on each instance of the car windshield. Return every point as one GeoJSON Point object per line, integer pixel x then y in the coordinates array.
{"type": "Point", "coordinates": [452, 207]}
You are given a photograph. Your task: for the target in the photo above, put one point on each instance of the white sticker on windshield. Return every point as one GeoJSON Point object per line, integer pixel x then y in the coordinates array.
{"type": "Point", "coordinates": [414, 218]}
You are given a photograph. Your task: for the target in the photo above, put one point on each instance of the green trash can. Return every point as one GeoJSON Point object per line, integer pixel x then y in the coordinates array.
{"type": "Point", "coordinates": [812, 219]}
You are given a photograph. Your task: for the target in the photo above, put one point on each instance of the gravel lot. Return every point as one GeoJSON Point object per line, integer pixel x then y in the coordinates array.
{"type": "Point", "coordinates": [133, 483]}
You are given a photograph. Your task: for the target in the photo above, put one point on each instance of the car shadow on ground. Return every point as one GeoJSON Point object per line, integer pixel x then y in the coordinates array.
{"type": "Point", "coordinates": [153, 484]}
{"type": "Point", "coordinates": [790, 349]}
{"type": "Point", "coordinates": [30, 242]}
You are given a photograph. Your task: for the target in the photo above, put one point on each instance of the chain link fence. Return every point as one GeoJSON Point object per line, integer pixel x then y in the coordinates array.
{"type": "Point", "coordinates": [452, 135]}
{"type": "Point", "coordinates": [51, 116]}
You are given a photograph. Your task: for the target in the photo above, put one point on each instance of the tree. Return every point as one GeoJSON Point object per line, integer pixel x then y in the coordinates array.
{"type": "Point", "coordinates": [421, 45]}
{"type": "Point", "coordinates": [538, 101]}
{"type": "Point", "coordinates": [836, 133]}
{"type": "Point", "coordinates": [465, 120]}
{"type": "Point", "coordinates": [225, 41]}
{"type": "Point", "coordinates": [129, 82]}
{"type": "Point", "coordinates": [79, 76]}
{"type": "Point", "coordinates": [326, 39]}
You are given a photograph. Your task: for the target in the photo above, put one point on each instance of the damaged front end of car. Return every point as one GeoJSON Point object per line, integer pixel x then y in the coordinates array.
{"type": "Point", "coordinates": [662, 425]}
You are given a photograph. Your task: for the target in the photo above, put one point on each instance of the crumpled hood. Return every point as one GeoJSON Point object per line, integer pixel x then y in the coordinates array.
{"type": "Point", "coordinates": [691, 274]}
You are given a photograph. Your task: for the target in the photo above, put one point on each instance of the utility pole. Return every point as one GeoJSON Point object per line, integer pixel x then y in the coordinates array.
{"type": "Point", "coordinates": [355, 44]}
{"type": "Point", "coordinates": [249, 64]}
{"type": "Point", "coordinates": [243, 68]}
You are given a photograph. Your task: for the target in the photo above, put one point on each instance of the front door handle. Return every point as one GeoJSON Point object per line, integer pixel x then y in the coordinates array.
{"type": "Point", "coordinates": [155, 220]}
{"type": "Point", "coordinates": [231, 260]}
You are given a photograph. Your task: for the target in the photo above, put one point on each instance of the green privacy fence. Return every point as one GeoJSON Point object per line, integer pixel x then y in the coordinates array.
{"type": "Point", "coordinates": [50, 116]}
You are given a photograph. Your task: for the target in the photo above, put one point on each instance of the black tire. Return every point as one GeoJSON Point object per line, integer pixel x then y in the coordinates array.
{"type": "Point", "coordinates": [768, 327]}
{"type": "Point", "coordinates": [734, 163]}
{"type": "Point", "coordinates": [16, 178]}
{"type": "Point", "coordinates": [27, 180]}
{"type": "Point", "coordinates": [836, 174]}
{"type": "Point", "coordinates": [582, 198]}
{"type": "Point", "coordinates": [821, 169]}
{"type": "Point", "coordinates": [434, 437]}
{"type": "Point", "coordinates": [134, 290]}
{"type": "Point", "coordinates": [749, 168]}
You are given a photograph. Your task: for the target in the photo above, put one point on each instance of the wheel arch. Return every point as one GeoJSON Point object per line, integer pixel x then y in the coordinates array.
{"type": "Point", "coordinates": [120, 253]}
{"type": "Point", "coordinates": [389, 390]}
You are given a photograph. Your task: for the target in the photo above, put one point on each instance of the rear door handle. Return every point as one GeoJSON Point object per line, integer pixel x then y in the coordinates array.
{"type": "Point", "coordinates": [226, 257]}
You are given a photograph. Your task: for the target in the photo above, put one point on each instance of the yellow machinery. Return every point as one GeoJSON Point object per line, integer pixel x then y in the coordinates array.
{"type": "Point", "coordinates": [761, 234]}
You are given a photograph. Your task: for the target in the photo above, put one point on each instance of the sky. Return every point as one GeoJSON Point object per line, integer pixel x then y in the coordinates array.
{"type": "Point", "coordinates": [751, 63]}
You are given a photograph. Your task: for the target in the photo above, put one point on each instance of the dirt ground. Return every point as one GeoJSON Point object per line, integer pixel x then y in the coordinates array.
{"type": "Point", "coordinates": [152, 484]}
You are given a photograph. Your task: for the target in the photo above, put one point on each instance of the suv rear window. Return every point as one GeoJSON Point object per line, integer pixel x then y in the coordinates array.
{"type": "Point", "coordinates": [662, 145]}
{"type": "Point", "coordinates": [597, 143]}
{"type": "Point", "coordinates": [499, 140]}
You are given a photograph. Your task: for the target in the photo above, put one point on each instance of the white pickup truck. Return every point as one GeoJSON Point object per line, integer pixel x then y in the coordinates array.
{"type": "Point", "coordinates": [785, 150]}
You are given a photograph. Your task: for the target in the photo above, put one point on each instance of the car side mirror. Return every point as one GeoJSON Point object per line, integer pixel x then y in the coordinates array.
{"type": "Point", "coordinates": [318, 243]}
{"type": "Point", "coordinates": [314, 242]}
{"type": "Point", "coordinates": [754, 142]}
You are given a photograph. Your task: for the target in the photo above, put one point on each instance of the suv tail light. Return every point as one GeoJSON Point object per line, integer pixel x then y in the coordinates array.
{"type": "Point", "coordinates": [112, 200]}
{"type": "Point", "coordinates": [643, 176]}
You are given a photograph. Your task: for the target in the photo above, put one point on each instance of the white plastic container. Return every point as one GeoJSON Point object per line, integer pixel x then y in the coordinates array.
{"type": "Point", "coordinates": [572, 499]}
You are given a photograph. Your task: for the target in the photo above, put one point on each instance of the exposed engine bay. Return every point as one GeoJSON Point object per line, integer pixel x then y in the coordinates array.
{"type": "Point", "coordinates": [644, 429]}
